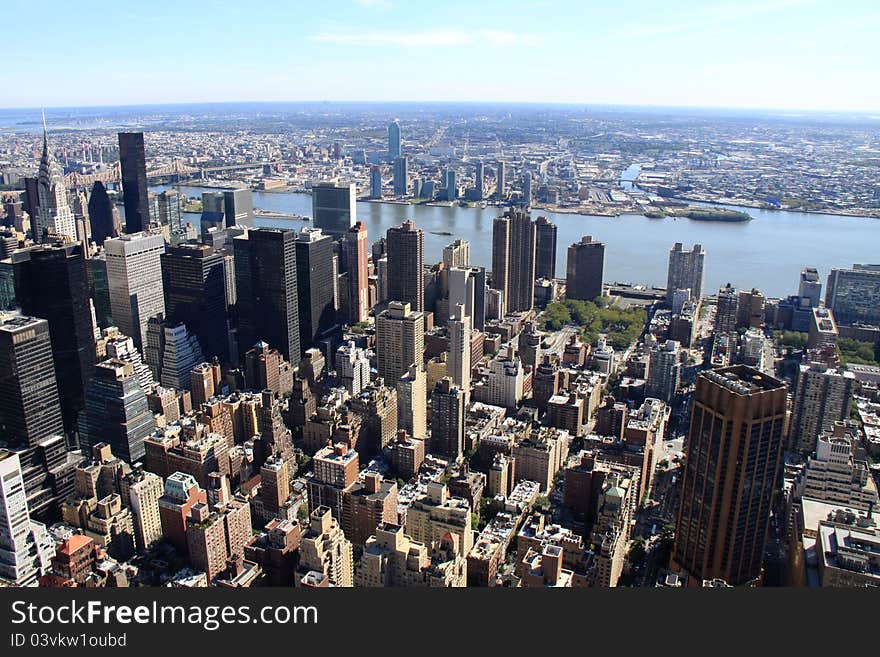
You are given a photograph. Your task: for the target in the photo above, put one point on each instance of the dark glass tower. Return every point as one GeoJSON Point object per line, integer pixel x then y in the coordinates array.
{"type": "Point", "coordinates": [447, 419]}
{"type": "Point", "coordinates": [545, 249]}
{"type": "Point", "coordinates": [266, 292]}
{"type": "Point", "coordinates": [51, 282]}
{"type": "Point", "coordinates": [585, 269]}
{"type": "Point", "coordinates": [116, 411]}
{"type": "Point", "coordinates": [134, 181]}
{"type": "Point", "coordinates": [30, 414]}
{"type": "Point", "coordinates": [314, 277]}
{"type": "Point", "coordinates": [730, 475]}
{"type": "Point", "coordinates": [100, 289]}
{"type": "Point", "coordinates": [101, 214]}
{"type": "Point", "coordinates": [195, 294]}
{"type": "Point", "coordinates": [406, 265]}
{"type": "Point", "coordinates": [29, 405]}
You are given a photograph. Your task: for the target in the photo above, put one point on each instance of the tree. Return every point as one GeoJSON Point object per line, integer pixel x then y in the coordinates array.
{"type": "Point", "coordinates": [637, 552]}
{"type": "Point", "coordinates": [856, 352]}
{"type": "Point", "coordinates": [796, 340]}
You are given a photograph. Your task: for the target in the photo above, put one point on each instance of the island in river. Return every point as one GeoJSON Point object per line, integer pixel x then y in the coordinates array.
{"type": "Point", "coordinates": [699, 213]}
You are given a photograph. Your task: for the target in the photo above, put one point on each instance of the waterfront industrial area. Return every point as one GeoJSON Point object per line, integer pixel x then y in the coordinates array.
{"type": "Point", "coordinates": [586, 160]}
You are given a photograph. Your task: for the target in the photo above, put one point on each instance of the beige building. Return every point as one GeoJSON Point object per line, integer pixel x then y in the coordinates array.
{"type": "Point", "coordinates": [412, 400]}
{"type": "Point", "coordinates": [430, 518]}
{"type": "Point", "coordinates": [613, 525]}
{"type": "Point", "coordinates": [848, 555]}
{"type": "Point", "coordinates": [400, 340]}
{"type": "Point", "coordinates": [141, 491]}
{"type": "Point", "coordinates": [324, 549]}
{"type": "Point", "coordinates": [540, 456]}
{"type": "Point", "coordinates": [834, 475]}
{"type": "Point", "coordinates": [393, 559]}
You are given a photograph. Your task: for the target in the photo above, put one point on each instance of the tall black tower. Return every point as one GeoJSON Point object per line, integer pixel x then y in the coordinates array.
{"type": "Point", "coordinates": [194, 282]}
{"type": "Point", "coordinates": [51, 282]}
{"type": "Point", "coordinates": [314, 277]}
{"type": "Point", "coordinates": [101, 214]}
{"type": "Point", "coordinates": [265, 284]}
{"type": "Point", "coordinates": [134, 181]}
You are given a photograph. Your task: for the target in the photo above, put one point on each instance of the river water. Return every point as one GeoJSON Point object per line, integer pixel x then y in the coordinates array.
{"type": "Point", "coordinates": [767, 253]}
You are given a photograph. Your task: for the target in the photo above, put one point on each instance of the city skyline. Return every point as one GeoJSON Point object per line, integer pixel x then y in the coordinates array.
{"type": "Point", "coordinates": [748, 55]}
{"type": "Point", "coordinates": [505, 344]}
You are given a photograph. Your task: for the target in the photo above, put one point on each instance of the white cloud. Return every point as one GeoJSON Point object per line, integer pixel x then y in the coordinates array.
{"type": "Point", "coordinates": [428, 38]}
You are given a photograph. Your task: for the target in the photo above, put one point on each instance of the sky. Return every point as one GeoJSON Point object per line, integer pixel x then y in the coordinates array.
{"type": "Point", "coordinates": [767, 54]}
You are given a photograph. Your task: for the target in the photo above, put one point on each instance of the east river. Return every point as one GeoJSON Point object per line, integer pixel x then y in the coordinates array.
{"type": "Point", "coordinates": [767, 252]}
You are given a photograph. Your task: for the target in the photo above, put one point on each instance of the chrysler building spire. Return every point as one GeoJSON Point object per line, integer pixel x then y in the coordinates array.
{"type": "Point", "coordinates": [54, 216]}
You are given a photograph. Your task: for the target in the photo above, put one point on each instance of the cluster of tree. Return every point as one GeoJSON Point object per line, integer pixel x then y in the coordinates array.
{"type": "Point", "coordinates": [793, 339]}
{"type": "Point", "coordinates": [623, 326]}
{"type": "Point", "coordinates": [856, 352]}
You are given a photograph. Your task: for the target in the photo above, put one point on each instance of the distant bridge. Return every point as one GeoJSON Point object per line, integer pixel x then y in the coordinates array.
{"type": "Point", "coordinates": [176, 169]}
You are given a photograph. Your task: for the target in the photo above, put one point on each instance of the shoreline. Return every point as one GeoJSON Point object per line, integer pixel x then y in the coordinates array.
{"type": "Point", "coordinates": [585, 212]}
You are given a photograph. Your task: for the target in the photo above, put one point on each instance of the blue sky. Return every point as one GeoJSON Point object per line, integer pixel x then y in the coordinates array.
{"type": "Point", "coordinates": [786, 54]}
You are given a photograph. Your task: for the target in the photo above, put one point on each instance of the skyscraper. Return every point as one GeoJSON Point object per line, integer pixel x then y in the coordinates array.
{"type": "Point", "coordinates": [527, 189]}
{"type": "Point", "coordinates": [459, 362]}
{"type": "Point", "coordinates": [194, 284]}
{"type": "Point", "coordinates": [478, 180]}
{"type": "Point", "coordinates": [457, 254]}
{"type": "Point", "coordinates": [314, 277]}
{"type": "Point", "coordinates": [30, 410]}
{"type": "Point", "coordinates": [664, 371]}
{"type": "Point", "coordinates": [116, 411]}
{"type": "Point", "coordinates": [326, 550]}
{"type": "Point", "coordinates": [451, 185]}
{"type": "Point", "coordinates": [447, 419]}
{"type": "Point", "coordinates": [52, 282]}
{"type": "Point", "coordinates": [238, 207]}
{"type": "Point", "coordinates": [412, 399]}
{"type": "Point", "coordinates": [171, 208]}
{"type": "Point", "coordinates": [133, 162]}
{"type": "Point", "coordinates": [853, 295]}
{"type": "Point", "coordinates": [134, 276]}
{"type": "Point", "coordinates": [585, 269]}
{"type": "Point", "coordinates": [685, 271]}
{"type": "Point", "coordinates": [730, 475]}
{"type": "Point", "coordinates": [334, 206]}
{"type": "Point", "coordinates": [99, 289]}
{"type": "Point", "coordinates": [727, 310]}
{"type": "Point", "coordinates": [101, 216]}
{"type": "Point", "coordinates": [356, 254]}
{"type": "Point", "coordinates": [809, 286]}
{"type": "Point", "coordinates": [352, 367]}
{"type": "Point", "coordinates": [513, 260]}
{"type": "Point", "coordinates": [54, 216]}
{"type": "Point", "coordinates": [406, 249]}
{"type": "Point", "coordinates": [467, 286]}
{"type": "Point", "coordinates": [25, 546]}
{"type": "Point", "coordinates": [400, 340]}
{"type": "Point", "coordinates": [545, 248]}
{"type": "Point", "coordinates": [822, 396]}
{"type": "Point", "coordinates": [30, 414]}
{"type": "Point", "coordinates": [266, 289]}
{"type": "Point", "coordinates": [400, 176]}
{"type": "Point", "coordinates": [393, 140]}
{"type": "Point", "coordinates": [141, 491]}
{"type": "Point", "coordinates": [500, 180]}
{"type": "Point", "coordinates": [171, 352]}
{"type": "Point", "coordinates": [376, 181]}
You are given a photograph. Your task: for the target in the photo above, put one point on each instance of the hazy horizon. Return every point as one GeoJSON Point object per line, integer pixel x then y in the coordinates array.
{"type": "Point", "coordinates": [550, 104]}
